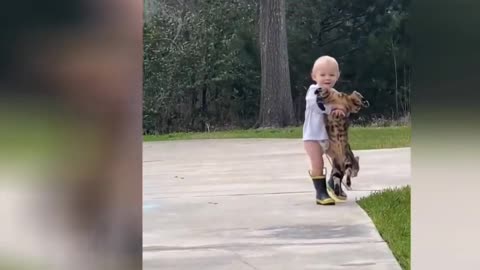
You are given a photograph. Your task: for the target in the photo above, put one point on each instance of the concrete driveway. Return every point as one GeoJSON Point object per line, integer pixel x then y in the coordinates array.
{"type": "Point", "coordinates": [249, 204]}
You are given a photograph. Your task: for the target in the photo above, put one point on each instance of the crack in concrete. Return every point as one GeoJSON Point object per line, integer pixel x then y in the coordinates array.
{"type": "Point", "coordinates": [253, 194]}
{"type": "Point", "coordinates": [243, 260]}
{"type": "Point", "coordinates": [227, 247]}
{"type": "Point", "coordinates": [258, 194]}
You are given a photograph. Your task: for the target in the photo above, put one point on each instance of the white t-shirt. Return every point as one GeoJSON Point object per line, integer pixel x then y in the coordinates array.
{"type": "Point", "coordinates": [314, 125]}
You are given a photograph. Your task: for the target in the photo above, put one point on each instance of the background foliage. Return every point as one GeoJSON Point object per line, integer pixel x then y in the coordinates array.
{"type": "Point", "coordinates": [202, 60]}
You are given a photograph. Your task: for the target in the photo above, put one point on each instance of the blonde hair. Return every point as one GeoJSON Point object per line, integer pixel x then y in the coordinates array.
{"type": "Point", "coordinates": [326, 59]}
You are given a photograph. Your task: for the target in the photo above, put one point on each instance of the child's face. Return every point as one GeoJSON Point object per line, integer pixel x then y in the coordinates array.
{"type": "Point", "coordinates": [326, 75]}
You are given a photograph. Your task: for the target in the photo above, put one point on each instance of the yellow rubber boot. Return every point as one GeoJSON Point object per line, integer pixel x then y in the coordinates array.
{"type": "Point", "coordinates": [320, 184]}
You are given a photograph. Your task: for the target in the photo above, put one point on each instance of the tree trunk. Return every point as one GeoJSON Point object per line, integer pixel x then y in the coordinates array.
{"type": "Point", "coordinates": [405, 102]}
{"type": "Point", "coordinates": [396, 77]}
{"type": "Point", "coordinates": [276, 105]}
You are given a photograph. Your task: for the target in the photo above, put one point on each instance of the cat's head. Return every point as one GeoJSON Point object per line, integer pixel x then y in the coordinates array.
{"type": "Point", "coordinates": [353, 167]}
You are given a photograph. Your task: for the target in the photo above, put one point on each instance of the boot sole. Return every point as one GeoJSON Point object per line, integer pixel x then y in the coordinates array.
{"type": "Point", "coordinates": [326, 202]}
{"type": "Point", "coordinates": [332, 194]}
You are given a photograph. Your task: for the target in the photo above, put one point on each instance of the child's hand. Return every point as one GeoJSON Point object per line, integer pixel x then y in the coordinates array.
{"type": "Point", "coordinates": [337, 113]}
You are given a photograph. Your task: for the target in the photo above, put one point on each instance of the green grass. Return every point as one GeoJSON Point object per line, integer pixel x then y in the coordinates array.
{"type": "Point", "coordinates": [390, 212]}
{"type": "Point", "coordinates": [360, 137]}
